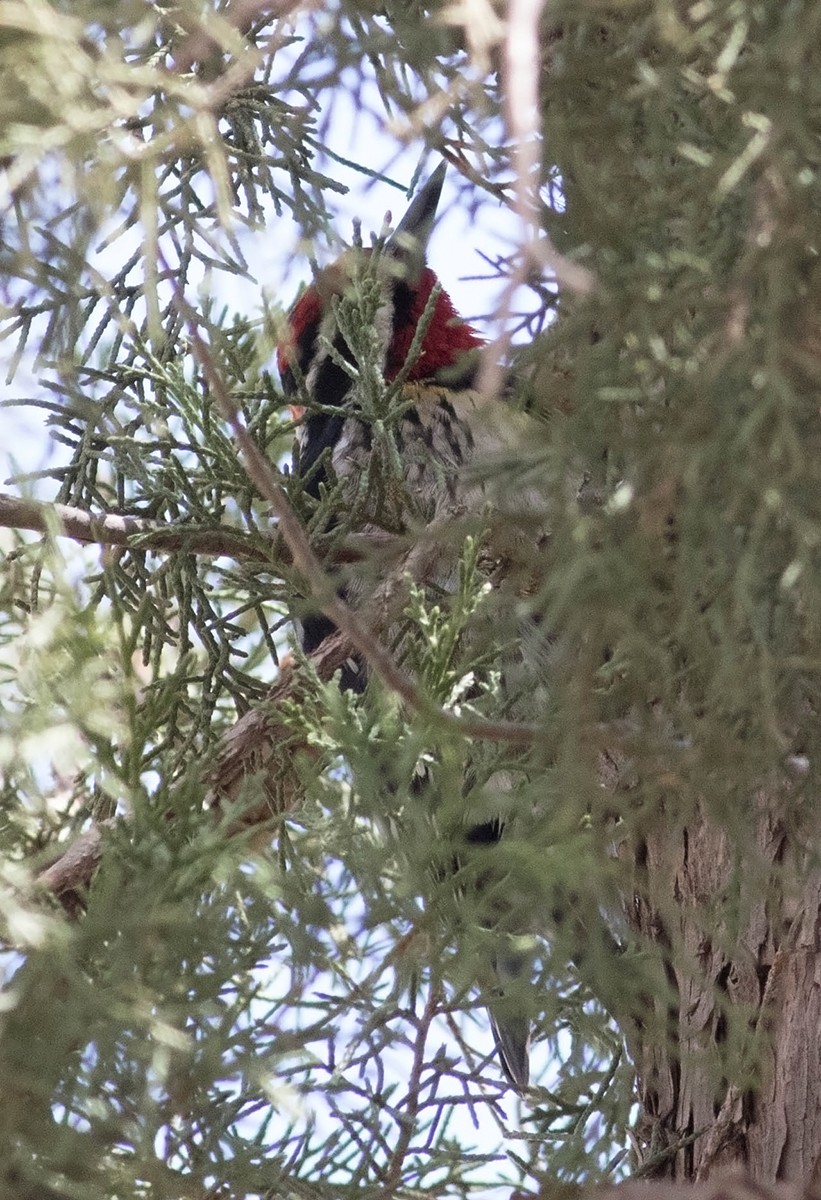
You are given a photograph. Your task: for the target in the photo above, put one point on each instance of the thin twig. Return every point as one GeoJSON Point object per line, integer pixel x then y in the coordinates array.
{"type": "Point", "coordinates": [393, 1172]}
{"type": "Point", "coordinates": [520, 73]}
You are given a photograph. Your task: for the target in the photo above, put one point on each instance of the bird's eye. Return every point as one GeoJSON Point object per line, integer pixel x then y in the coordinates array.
{"type": "Point", "coordinates": [289, 385]}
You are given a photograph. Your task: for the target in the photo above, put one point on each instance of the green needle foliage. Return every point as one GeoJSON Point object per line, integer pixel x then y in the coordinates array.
{"type": "Point", "coordinates": [226, 1006]}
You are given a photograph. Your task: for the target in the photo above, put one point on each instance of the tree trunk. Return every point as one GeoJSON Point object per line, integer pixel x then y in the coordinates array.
{"type": "Point", "coordinates": [736, 1081]}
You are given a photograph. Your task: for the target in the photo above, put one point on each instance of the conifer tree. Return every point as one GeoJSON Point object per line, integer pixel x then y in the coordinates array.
{"type": "Point", "coordinates": [240, 953]}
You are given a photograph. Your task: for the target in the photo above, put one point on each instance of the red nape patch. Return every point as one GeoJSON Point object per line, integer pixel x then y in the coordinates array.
{"type": "Point", "coordinates": [306, 313]}
{"type": "Point", "coordinates": [447, 339]}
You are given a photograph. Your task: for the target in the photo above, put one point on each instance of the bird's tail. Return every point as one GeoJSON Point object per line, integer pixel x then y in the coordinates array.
{"type": "Point", "coordinates": [505, 986]}
{"type": "Point", "coordinates": [510, 1016]}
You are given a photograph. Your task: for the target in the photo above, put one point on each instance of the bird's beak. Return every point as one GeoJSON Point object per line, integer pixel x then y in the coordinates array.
{"type": "Point", "coordinates": [408, 243]}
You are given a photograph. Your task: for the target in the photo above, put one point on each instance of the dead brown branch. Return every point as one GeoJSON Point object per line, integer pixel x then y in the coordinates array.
{"type": "Point", "coordinates": [258, 753]}
{"type": "Point", "coordinates": [110, 529]}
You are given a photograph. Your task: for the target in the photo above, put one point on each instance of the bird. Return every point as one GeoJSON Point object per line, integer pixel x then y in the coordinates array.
{"type": "Point", "coordinates": [444, 426]}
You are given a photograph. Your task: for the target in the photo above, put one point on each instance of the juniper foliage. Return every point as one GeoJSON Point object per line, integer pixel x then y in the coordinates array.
{"type": "Point", "coordinates": [223, 1013]}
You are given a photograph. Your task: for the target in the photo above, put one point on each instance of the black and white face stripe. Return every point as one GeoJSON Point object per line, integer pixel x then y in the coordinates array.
{"type": "Point", "coordinates": [329, 384]}
{"type": "Point", "coordinates": [403, 298]}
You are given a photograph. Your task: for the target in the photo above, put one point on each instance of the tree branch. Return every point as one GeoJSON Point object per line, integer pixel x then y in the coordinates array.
{"type": "Point", "coordinates": [110, 529]}
{"type": "Point", "coordinates": [261, 746]}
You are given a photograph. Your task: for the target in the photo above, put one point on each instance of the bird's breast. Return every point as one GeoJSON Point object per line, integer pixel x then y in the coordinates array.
{"type": "Point", "coordinates": [420, 448]}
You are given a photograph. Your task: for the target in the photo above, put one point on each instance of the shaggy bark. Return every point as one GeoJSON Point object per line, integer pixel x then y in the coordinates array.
{"type": "Point", "coordinates": [736, 1080]}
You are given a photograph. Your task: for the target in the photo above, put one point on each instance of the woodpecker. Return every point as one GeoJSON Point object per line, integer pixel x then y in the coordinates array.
{"type": "Point", "coordinates": [441, 430]}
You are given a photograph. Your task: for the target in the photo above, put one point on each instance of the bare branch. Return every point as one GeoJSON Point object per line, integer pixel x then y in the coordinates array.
{"type": "Point", "coordinates": [393, 1172]}
{"type": "Point", "coordinates": [521, 75]}
{"type": "Point", "coordinates": [110, 529]}
{"type": "Point", "coordinates": [74, 869]}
